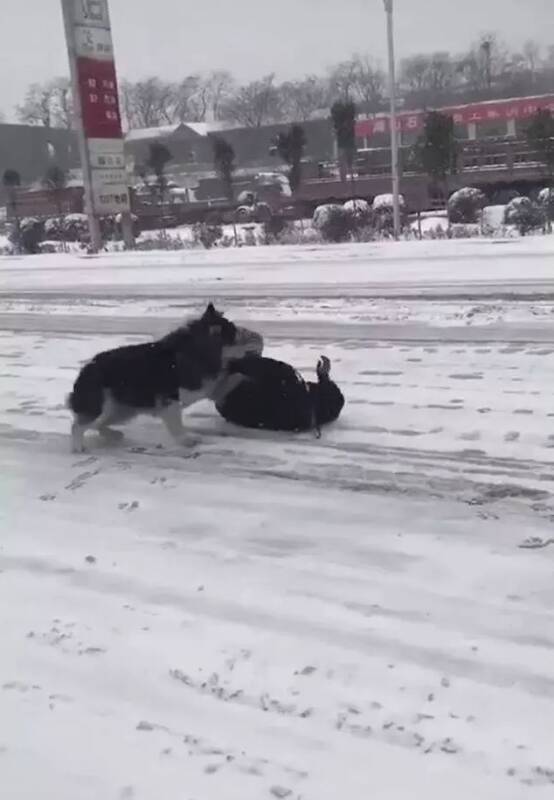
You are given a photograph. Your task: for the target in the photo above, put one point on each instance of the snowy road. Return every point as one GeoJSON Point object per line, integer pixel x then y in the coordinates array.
{"type": "Point", "coordinates": [276, 616]}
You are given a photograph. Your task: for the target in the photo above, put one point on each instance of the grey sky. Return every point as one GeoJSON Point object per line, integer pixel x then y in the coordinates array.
{"type": "Point", "coordinates": [172, 38]}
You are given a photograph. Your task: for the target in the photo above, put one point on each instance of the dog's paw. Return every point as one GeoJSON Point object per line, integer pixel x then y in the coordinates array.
{"type": "Point", "coordinates": [78, 448]}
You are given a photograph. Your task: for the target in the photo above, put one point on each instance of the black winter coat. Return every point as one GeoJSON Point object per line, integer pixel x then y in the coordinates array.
{"type": "Point", "coordinates": [273, 396]}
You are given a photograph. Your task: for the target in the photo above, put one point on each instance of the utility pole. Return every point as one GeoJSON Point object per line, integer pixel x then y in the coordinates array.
{"type": "Point", "coordinates": [486, 47]}
{"type": "Point", "coordinates": [393, 131]}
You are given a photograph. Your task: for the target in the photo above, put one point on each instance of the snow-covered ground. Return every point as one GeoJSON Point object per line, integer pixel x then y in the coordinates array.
{"type": "Point", "coordinates": [278, 616]}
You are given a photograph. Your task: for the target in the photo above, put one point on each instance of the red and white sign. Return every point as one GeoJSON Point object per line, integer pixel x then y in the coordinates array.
{"type": "Point", "coordinates": [501, 110]}
{"type": "Point", "coordinates": [94, 78]}
{"type": "Point", "coordinates": [99, 99]}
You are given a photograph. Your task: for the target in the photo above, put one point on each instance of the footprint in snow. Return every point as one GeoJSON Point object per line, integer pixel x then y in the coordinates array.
{"type": "Point", "coordinates": [535, 543]}
{"type": "Point", "coordinates": [129, 506]}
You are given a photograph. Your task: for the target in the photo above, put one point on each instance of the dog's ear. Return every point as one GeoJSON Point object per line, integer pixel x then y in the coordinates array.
{"type": "Point", "coordinates": [210, 311]}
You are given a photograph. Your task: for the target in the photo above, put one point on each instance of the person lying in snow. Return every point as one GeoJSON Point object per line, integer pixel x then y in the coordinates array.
{"type": "Point", "coordinates": [261, 392]}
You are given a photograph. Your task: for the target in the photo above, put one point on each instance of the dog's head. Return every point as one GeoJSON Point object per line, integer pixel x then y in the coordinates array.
{"type": "Point", "coordinates": [214, 324]}
{"type": "Point", "coordinates": [236, 341]}
{"type": "Point", "coordinates": [205, 345]}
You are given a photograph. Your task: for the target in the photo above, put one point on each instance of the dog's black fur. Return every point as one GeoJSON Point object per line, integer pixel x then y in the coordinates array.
{"type": "Point", "coordinates": [272, 395]}
{"type": "Point", "coordinates": [157, 378]}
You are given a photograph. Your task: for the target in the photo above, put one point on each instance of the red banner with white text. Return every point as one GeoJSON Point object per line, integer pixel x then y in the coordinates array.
{"type": "Point", "coordinates": [497, 111]}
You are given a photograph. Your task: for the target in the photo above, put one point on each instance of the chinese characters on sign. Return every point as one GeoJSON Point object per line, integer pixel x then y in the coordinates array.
{"type": "Point", "coordinates": [109, 176]}
{"type": "Point", "coordinates": [99, 101]}
{"type": "Point", "coordinates": [500, 111]}
{"type": "Point", "coordinates": [93, 13]}
{"type": "Point", "coordinates": [94, 43]}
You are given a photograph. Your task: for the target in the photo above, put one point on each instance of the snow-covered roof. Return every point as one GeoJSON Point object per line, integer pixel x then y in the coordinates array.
{"type": "Point", "coordinates": [161, 132]}
{"type": "Point", "coordinates": [166, 131]}
{"type": "Point", "coordinates": [200, 128]}
{"type": "Point", "coordinates": [204, 128]}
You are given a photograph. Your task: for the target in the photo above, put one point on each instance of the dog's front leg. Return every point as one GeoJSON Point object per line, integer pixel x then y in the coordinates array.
{"type": "Point", "coordinates": [78, 436]}
{"type": "Point", "coordinates": [171, 416]}
{"type": "Point", "coordinates": [226, 385]}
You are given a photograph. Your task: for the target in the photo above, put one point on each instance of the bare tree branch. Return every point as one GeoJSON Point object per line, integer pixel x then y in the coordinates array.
{"type": "Point", "coordinates": [301, 99]}
{"type": "Point", "coordinates": [255, 104]}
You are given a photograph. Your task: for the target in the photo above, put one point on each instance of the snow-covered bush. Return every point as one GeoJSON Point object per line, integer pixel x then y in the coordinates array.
{"type": "Point", "coordinates": [31, 234]}
{"type": "Point", "coordinates": [385, 201]}
{"type": "Point", "coordinates": [546, 201]}
{"type": "Point", "coordinates": [159, 240]}
{"type": "Point", "coordinates": [68, 228]}
{"type": "Point", "coordinates": [383, 212]}
{"type": "Point", "coordinates": [75, 227]}
{"type": "Point", "coordinates": [53, 229]}
{"type": "Point", "coordinates": [465, 205]}
{"type": "Point", "coordinates": [207, 235]}
{"type": "Point", "coordinates": [524, 214]}
{"type": "Point", "coordinates": [361, 213]}
{"type": "Point", "coordinates": [334, 223]}
{"type": "Point", "coordinates": [357, 206]}
{"type": "Point", "coordinates": [274, 227]}
{"type": "Point", "coordinates": [321, 214]}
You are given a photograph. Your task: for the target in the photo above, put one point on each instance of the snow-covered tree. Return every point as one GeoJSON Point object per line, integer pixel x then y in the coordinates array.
{"type": "Point", "coordinates": [436, 150]}
{"type": "Point", "coordinates": [290, 146]}
{"type": "Point", "coordinates": [343, 116]}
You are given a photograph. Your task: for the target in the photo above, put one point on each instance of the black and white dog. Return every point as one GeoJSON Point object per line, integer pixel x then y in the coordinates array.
{"type": "Point", "coordinates": [158, 378]}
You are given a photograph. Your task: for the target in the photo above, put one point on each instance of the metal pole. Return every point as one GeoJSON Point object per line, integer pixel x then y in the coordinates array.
{"type": "Point", "coordinates": [393, 131]}
{"type": "Point", "coordinates": [127, 230]}
{"type": "Point", "coordinates": [93, 223]}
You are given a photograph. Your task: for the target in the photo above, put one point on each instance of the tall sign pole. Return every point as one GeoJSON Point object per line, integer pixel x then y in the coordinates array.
{"type": "Point", "coordinates": [393, 129]}
{"type": "Point", "coordinates": [96, 102]}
